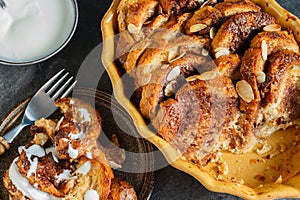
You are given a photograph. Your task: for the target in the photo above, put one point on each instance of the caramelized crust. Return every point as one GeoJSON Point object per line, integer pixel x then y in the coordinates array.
{"type": "Point", "coordinates": [254, 77]}
{"type": "Point", "coordinates": [160, 86]}
{"type": "Point", "coordinates": [195, 120]}
{"type": "Point", "coordinates": [206, 16]}
{"type": "Point", "coordinates": [229, 66]}
{"type": "Point", "coordinates": [209, 16]}
{"type": "Point", "coordinates": [45, 174]}
{"type": "Point", "coordinates": [232, 7]}
{"type": "Point", "coordinates": [78, 130]}
{"type": "Point", "coordinates": [236, 31]}
{"type": "Point", "coordinates": [138, 13]}
{"type": "Point", "coordinates": [14, 193]}
{"type": "Point", "coordinates": [121, 190]}
{"type": "Point", "coordinates": [176, 7]}
{"type": "Point", "coordinates": [275, 40]}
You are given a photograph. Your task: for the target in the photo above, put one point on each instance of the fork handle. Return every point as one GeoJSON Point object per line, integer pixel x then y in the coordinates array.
{"type": "Point", "coordinates": [10, 136]}
{"type": "Point", "coordinates": [3, 145]}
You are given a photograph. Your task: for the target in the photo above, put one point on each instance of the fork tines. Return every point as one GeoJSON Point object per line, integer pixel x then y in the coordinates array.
{"type": "Point", "coordinates": [2, 4]}
{"type": "Point", "coordinates": [59, 88]}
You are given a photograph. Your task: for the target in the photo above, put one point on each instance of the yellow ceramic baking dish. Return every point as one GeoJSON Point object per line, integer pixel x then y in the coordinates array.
{"type": "Point", "coordinates": [251, 175]}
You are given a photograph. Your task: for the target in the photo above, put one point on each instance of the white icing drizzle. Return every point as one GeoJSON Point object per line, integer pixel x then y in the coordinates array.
{"type": "Point", "coordinates": [77, 136]}
{"type": "Point", "coordinates": [65, 139]}
{"type": "Point", "coordinates": [20, 149]}
{"type": "Point", "coordinates": [73, 153]}
{"type": "Point", "coordinates": [65, 175]}
{"type": "Point", "coordinates": [33, 166]}
{"type": "Point", "coordinates": [84, 114]}
{"type": "Point", "coordinates": [89, 155]}
{"type": "Point", "coordinates": [34, 150]}
{"type": "Point", "coordinates": [23, 185]}
{"type": "Point", "coordinates": [59, 123]}
{"type": "Point", "coordinates": [91, 195]}
{"type": "Point", "coordinates": [54, 153]}
{"type": "Point", "coordinates": [85, 168]}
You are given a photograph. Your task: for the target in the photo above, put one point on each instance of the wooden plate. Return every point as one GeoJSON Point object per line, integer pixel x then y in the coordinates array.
{"type": "Point", "coordinates": [139, 164]}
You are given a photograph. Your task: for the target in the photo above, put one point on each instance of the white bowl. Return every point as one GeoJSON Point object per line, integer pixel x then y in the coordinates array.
{"type": "Point", "coordinates": [28, 35]}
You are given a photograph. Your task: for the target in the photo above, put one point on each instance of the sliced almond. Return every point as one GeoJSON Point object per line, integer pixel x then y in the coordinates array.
{"type": "Point", "coordinates": [264, 50]}
{"type": "Point", "coordinates": [212, 32]}
{"type": "Point", "coordinates": [164, 66]}
{"type": "Point", "coordinates": [272, 27]}
{"type": "Point", "coordinates": [197, 27]}
{"type": "Point", "coordinates": [169, 89]}
{"type": "Point", "coordinates": [296, 67]}
{"type": "Point", "coordinates": [133, 29]}
{"type": "Point", "coordinates": [172, 54]}
{"type": "Point", "coordinates": [205, 52]}
{"type": "Point", "coordinates": [147, 22]}
{"type": "Point", "coordinates": [178, 57]}
{"type": "Point", "coordinates": [160, 10]}
{"type": "Point", "coordinates": [279, 180]}
{"type": "Point", "coordinates": [207, 75]}
{"type": "Point", "coordinates": [146, 78]}
{"type": "Point", "coordinates": [264, 149]}
{"type": "Point", "coordinates": [222, 52]}
{"type": "Point", "coordinates": [261, 77]}
{"type": "Point", "coordinates": [192, 78]}
{"type": "Point", "coordinates": [173, 74]}
{"type": "Point", "coordinates": [245, 91]}
{"type": "Point", "coordinates": [204, 4]}
{"type": "Point", "coordinates": [204, 76]}
{"type": "Point", "coordinates": [223, 168]}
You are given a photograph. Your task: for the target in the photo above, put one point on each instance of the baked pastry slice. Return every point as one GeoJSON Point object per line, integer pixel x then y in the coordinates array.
{"type": "Point", "coordinates": [47, 168]}
{"type": "Point", "coordinates": [38, 174]}
{"type": "Point", "coordinates": [238, 30]}
{"type": "Point", "coordinates": [199, 119]}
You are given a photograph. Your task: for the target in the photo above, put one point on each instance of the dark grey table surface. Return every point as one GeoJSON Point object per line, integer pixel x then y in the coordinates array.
{"type": "Point", "coordinates": [19, 82]}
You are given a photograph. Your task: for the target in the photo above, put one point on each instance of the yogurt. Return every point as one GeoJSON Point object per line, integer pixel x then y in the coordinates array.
{"type": "Point", "coordinates": [33, 29]}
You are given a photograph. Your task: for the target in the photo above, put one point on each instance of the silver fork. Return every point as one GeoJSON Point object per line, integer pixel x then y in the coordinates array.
{"type": "Point", "coordinates": [40, 105]}
{"type": "Point", "coordinates": [2, 4]}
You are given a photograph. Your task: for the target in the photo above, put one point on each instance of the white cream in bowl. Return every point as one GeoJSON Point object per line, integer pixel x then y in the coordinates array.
{"type": "Point", "coordinates": [31, 30]}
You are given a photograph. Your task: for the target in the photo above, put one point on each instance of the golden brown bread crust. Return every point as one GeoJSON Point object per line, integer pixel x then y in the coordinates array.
{"type": "Point", "coordinates": [79, 128]}
{"type": "Point", "coordinates": [96, 178]}
{"type": "Point", "coordinates": [121, 190]}
{"type": "Point", "coordinates": [275, 40]}
{"type": "Point", "coordinates": [45, 175]}
{"type": "Point", "coordinates": [255, 63]}
{"type": "Point", "coordinates": [14, 194]}
{"type": "Point", "coordinates": [160, 86]}
{"type": "Point", "coordinates": [229, 66]}
{"type": "Point", "coordinates": [201, 110]}
{"type": "Point", "coordinates": [206, 17]}
{"type": "Point", "coordinates": [209, 16]}
{"type": "Point", "coordinates": [56, 172]}
{"type": "Point", "coordinates": [237, 30]}
{"type": "Point", "coordinates": [176, 7]}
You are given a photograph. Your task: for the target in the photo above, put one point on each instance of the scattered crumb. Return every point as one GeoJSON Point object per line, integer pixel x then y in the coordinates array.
{"type": "Point", "coordinates": [265, 148]}
{"type": "Point", "coordinates": [240, 183]}
{"type": "Point", "coordinates": [259, 177]}
{"type": "Point", "coordinates": [279, 180]}
{"type": "Point", "coordinates": [223, 168]}
{"type": "Point", "coordinates": [282, 147]}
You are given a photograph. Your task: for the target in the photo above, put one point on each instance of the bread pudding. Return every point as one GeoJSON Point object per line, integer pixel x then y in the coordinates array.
{"type": "Point", "coordinates": [210, 76]}
{"type": "Point", "coordinates": [64, 160]}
